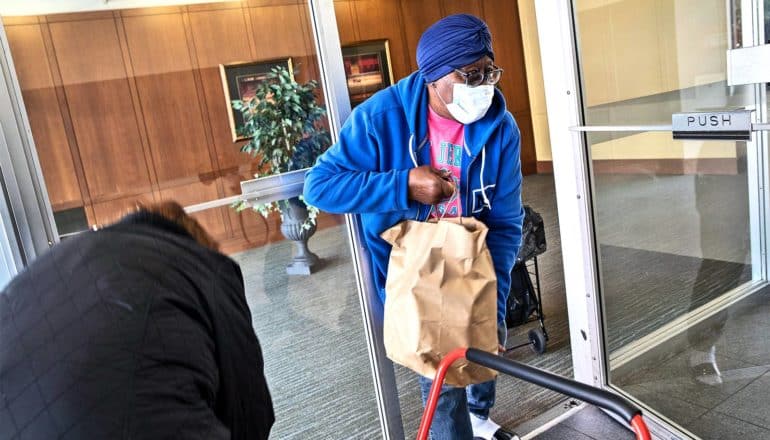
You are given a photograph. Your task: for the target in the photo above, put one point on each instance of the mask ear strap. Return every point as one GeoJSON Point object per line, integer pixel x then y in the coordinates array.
{"type": "Point", "coordinates": [438, 93]}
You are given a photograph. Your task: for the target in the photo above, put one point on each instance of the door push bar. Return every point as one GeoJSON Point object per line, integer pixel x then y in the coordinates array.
{"type": "Point", "coordinates": [717, 125]}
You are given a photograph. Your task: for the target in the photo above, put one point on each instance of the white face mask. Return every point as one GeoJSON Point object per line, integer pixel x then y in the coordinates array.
{"type": "Point", "coordinates": [469, 104]}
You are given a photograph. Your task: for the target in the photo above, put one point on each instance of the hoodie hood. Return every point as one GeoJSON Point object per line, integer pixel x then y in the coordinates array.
{"type": "Point", "coordinates": [412, 92]}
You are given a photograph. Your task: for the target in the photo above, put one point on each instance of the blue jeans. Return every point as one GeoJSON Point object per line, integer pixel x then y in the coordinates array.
{"type": "Point", "coordinates": [452, 418]}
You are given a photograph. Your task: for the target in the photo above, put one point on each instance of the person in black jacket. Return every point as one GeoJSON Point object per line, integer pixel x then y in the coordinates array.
{"type": "Point", "coordinates": [137, 331]}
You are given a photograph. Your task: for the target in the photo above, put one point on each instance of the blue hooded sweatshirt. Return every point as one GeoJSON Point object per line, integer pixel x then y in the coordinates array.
{"type": "Point", "coordinates": [366, 172]}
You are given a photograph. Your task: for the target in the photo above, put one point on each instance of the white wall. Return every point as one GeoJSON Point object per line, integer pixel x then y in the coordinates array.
{"type": "Point", "coordinates": [637, 49]}
{"type": "Point", "coordinates": [632, 48]}
{"type": "Point", "coordinates": [535, 79]}
{"type": "Point", "coordinates": [38, 7]}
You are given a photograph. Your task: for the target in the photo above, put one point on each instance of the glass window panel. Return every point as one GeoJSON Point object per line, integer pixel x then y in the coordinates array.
{"type": "Point", "coordinates": [671, 217]}
{"type": "Point", "coordinates": [310, 328]}
{"type": "Point", "coordinates": [673, 233]}
{"type": "Point", "coordinates": [130, 105]}
{"type": "Point", "coordinates": [643, 61]}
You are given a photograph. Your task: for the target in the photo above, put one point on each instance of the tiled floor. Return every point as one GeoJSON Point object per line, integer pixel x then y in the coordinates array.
{"type": "Point", "coordinates": [730, 405]}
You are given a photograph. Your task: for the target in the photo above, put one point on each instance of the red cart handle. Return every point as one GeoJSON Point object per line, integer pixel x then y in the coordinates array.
{"type": "Point", "coordinates": [435, 390]}
{"type": "Point", "coordinates": [579, 390]}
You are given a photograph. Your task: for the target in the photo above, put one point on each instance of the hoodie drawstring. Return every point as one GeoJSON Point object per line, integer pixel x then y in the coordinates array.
{"type": "Point", "coordinates": [481, 177]}
{"type": "Point", "coordinates": [411, 150]}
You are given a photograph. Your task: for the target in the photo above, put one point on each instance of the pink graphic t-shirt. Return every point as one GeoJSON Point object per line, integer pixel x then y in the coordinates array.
{"type": "Point", "coordinates": [446, 137]}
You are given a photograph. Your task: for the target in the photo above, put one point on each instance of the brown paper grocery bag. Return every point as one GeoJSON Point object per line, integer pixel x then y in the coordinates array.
{"type": "Point", "coordinates": [441, 294]}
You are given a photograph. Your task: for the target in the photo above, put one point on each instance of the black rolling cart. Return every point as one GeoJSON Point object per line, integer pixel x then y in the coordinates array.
{"type": "Point", "coordinates": [525, 304]}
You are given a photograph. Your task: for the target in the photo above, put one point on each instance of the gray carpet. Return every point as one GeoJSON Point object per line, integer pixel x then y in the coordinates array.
{"type": "Point", "coordinates": [312, 336]}
{"type": "Point", "coordinates": [645, 290]}
{"type": "Point", "coordinates": [701, 216]}
{"type": "Point", "coordinates": [310, 327]}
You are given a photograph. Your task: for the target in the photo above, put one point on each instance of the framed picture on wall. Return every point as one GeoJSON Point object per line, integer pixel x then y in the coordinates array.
{"type": "Point", "coordinates": [367, 69]}
{"type": "Point", "coordinates": [239, 81]}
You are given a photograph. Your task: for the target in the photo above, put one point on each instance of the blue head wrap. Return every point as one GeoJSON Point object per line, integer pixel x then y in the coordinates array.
{"type": "Point", "coordinates": [452, 42]}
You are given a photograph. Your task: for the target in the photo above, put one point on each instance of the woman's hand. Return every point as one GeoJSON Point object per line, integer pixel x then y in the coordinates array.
{"type": "Point", "coordinates": [430, 186]}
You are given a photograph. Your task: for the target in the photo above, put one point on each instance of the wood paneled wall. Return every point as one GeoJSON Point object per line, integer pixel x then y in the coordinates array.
{"type": "Point", "coordinates": [402, 22]}
{"type": "Point", "coordinates": [128, 105]}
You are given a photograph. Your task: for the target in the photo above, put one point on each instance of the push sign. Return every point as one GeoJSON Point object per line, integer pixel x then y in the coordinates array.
{"type": "Point", "coordinates": [735, 125]}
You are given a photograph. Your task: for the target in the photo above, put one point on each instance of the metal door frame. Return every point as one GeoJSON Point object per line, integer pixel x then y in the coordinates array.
{"type": "Point", "coordinates": [335, 86]}
{"type": "Point", "coordinates": [28, 223]}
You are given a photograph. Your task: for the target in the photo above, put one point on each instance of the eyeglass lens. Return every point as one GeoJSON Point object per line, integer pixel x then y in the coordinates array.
{"type": "Point", "coordinates": [477, 77]}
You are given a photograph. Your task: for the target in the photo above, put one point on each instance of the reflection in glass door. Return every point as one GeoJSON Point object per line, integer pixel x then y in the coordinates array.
{"type": "Point", "coordinates": [130, 105]}
{"type": "Point", "coordinates": [676, 223]}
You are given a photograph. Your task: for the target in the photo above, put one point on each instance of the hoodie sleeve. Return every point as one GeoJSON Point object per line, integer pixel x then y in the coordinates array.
{"type": "Point", "coordinates": [506, 217]}
{"type": "Point", "coordinates": [345, 179]}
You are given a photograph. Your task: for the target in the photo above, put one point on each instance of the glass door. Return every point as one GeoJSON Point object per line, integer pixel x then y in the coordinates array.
{"type": "Point", "coordinates": [678, 226]}
{"type": "Point", "coordinates": [130, 105]}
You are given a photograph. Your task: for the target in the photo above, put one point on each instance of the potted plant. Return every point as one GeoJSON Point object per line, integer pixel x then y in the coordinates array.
{"type": "Point", "coordinates": [284, 124]}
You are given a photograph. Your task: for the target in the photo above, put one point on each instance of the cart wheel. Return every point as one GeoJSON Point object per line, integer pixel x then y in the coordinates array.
{"type": "Point", "coordinates": [537, 339]}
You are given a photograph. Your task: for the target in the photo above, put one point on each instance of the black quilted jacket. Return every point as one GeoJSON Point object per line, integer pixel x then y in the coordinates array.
{"type": "Point", "coordinates": [131, 332]}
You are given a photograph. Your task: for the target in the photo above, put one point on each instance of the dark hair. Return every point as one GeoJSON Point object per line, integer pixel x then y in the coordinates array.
{"type": "Point", "coordinates": [175, 213]}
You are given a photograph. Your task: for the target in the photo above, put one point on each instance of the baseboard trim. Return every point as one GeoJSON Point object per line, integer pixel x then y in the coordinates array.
{"type": "Point", "coordinates": [544, 167]}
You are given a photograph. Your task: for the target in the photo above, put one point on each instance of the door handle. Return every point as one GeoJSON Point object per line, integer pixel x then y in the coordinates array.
{"type": "Point", "coordinates": [643, 128]}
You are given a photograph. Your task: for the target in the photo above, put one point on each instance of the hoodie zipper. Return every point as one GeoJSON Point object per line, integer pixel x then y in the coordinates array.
{"type": "Point", "coordinates": [468, 186]}
{"type": "Point", "coordinates": [466, 179]}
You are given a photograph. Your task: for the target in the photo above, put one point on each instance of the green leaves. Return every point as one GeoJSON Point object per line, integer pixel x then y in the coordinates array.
{"type": "Point", "coordinates": [239, 205]}
{"type": "Point", "coordinates": [283, 115]}
{"type": "Point", "coordinates": [285, 127]}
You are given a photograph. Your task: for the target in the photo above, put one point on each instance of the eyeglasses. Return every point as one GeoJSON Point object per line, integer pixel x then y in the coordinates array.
{"type": "Point", "coordinates": [476, 77]}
